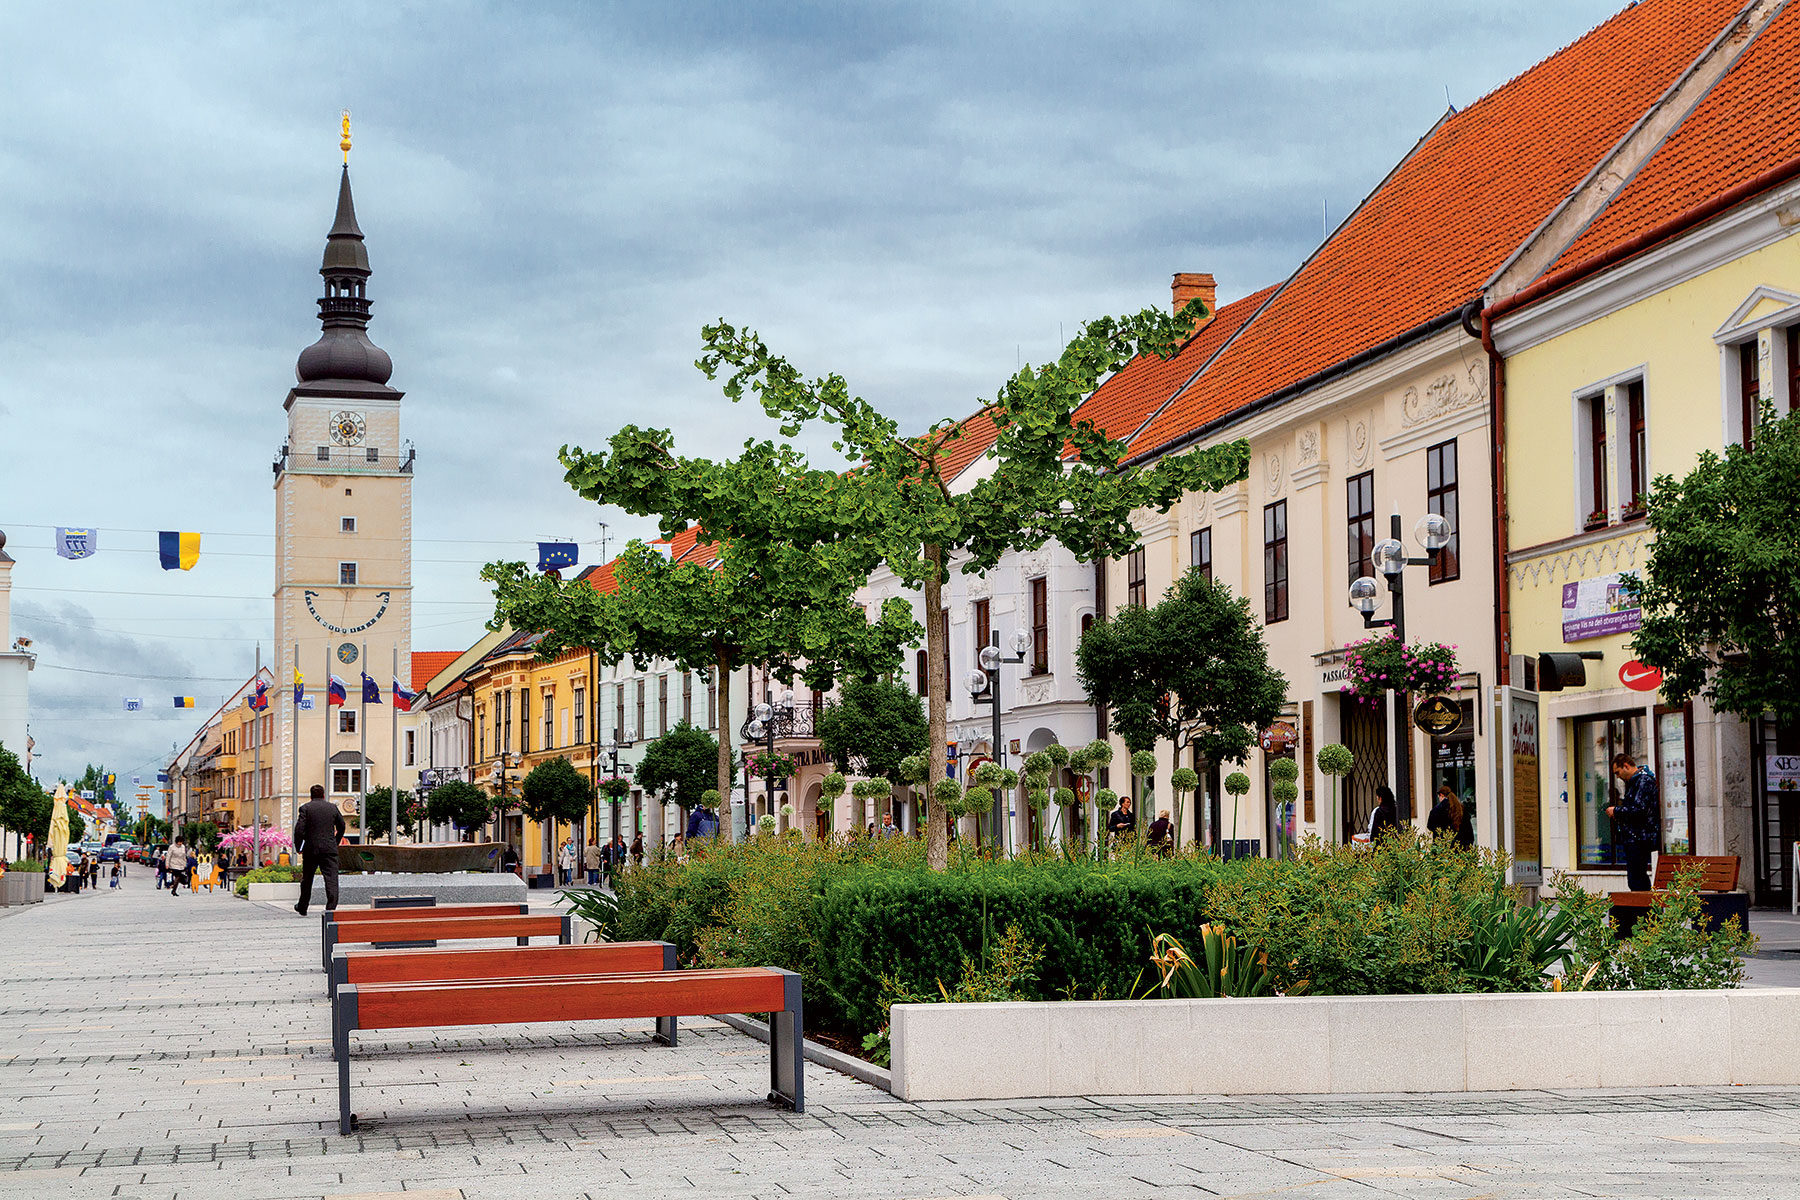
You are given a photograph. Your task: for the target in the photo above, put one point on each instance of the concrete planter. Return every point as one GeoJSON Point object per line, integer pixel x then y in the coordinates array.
{"type": "Point", "coordinates": [1322, 1044]}
{"type": "Point", "coordinates": [21, 887]}
{"type": "Point", "coordinates": [278, 891]}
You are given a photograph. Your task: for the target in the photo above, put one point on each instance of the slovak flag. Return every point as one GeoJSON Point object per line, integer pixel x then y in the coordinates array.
{"type": "Point", "coordinates": [403, 699]}
{"type": "Point", "coordinates": [334, 691]}
{"type": "Point", "coordinates": [371, 690]}
{"type": "Point", "coordinates": [260, 701]}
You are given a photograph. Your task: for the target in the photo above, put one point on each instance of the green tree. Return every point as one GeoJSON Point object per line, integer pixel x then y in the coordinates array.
{"type": "Point", "coordinates": [1192, 671]}
{"type": "Point", "coordinates": [380, 810]}
{"type": "Point", "coordinates": [555, 793]}
{"type": "Point", "coordinates": [24, 808]}
{"type": "Point", "coordinates": [781, 607]}
{"type": "Point", "coordinates": [1721, 591]}
{"type": "Point", "coordinates": [876, 722]}
{"type": "Point", "coordinates": [202, 835]}
{"type": "Point", "coordinates": [1053, 478]}
{"type": "Point", "coordinates": [461, 804]}
{"type": "Point", "coordinates": [681, 764]}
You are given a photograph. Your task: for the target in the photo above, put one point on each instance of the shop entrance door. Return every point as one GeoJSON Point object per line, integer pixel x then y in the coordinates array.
{"type": "Point", "coordinates": [1775, 763]}
{"type": "Point", "coordinates": [1365, 735]}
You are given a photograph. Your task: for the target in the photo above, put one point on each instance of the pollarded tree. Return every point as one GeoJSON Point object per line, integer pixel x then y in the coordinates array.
{"type": "Point", "coordinates": [459, 803]}
{"type": "Point", "coordinates": [783, 607]}
{"type": "Point", "coordinates": [1721, 592]}
{"type": "Point", "coordinates": [1053, 478]}
{"type": "Point", "coordinates": [682, 764]}
{"type": "Point", "coordinates": [555, 793]}
{"type": "Point", "coordinates": [379, 810]}
{"type": "Point", "coordinates": [1192, 671]}
{"type": "Point", "coordinates": [876, 722]}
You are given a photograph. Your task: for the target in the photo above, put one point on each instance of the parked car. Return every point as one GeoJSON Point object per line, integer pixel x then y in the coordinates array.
{"type": "Point", "coordinates": [133, 852]}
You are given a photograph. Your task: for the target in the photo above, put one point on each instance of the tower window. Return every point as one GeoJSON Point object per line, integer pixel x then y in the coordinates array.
{"type": "Point", "coordinates": [373, 454]}
{"type": "Point", "coordinates": [346, 720]}
{"type": "Point", "coordinates": [324, 453]}
{"type": "Point", "coordinates": [346, 574]}
{"type": "Point", "coordinates": [348, 525]}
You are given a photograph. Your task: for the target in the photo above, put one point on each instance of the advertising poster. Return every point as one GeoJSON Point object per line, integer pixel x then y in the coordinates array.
{"type": "Point", "coordinates": [1522, 750]}
{"type": "Point", "coordinates": [1598, 607]}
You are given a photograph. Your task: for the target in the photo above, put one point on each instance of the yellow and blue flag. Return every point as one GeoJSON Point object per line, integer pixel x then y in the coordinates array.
{"type": "Point", "coordinates": [178, 551]}
{"type": "Point", "coordinates": [184, 702]}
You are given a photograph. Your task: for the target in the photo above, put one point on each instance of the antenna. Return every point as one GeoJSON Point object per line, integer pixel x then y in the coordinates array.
{"type": "Point", "coordinates": [1448, 102]}
{"type": "Point", "coordinates": [603, 528]}
{"type": "Point", "coordinates": [1324, 219]}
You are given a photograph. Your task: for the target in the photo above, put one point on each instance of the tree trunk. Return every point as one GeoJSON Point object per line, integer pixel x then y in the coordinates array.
{"type": "Point", "coordinates": [937, 679]}
{"type": "Point", "coordinates": [722, 689]}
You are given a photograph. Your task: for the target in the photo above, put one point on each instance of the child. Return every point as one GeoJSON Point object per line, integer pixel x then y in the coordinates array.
{"type": "Point", "coordinates": [115, 875]}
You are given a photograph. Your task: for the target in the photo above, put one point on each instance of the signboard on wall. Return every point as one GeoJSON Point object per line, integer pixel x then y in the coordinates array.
{"type": "Point", "coordinates": [1598, 607]}
{"type": "Point", "coordinates": [1781, 772]}
{"type": "Point", "coordinates": [1522, 746]}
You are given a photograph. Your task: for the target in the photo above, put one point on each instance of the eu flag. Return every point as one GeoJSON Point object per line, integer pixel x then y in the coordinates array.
{"type": "Point", "coordinates": [371, 690]}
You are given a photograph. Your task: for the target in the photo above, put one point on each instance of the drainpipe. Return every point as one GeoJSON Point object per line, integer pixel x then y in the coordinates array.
{"type": "Point", "coordinates": [1496, 479]}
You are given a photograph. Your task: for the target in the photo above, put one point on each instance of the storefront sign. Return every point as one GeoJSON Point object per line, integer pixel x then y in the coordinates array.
{"type": "Point", "coordinates": [1640, 678]}
{"type": "Point", "coordinates": [1781, 772]}
{"type": "Point", "coordinates": [1522, 776]}
{"type": "Point", "coordinates": [1278, 737]}
{"type": "Point", "coordinates": [1598, 607]}
{"type": "Point", "coordinates": [1438, 716]}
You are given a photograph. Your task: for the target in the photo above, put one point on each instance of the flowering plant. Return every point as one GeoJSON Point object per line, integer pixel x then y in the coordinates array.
{"type": "Point", "coordinates": [614, 788]}
{"type": "Point", "coordinates": [777, 764]}
{"type": "Point", "coordinates": [1380, 664]}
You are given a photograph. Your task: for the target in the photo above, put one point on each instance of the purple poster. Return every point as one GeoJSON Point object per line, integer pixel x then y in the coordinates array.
{"type": "Point", "coordinates": [1598, 607]}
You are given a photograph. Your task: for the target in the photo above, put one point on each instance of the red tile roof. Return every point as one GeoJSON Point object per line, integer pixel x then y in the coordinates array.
{"type": "Point", "coordinates": [1748, 122]}
{"type": "Point", "coordinates": [1428, 238]}
{"type": "Point", "coordinates": [1127, 399]}
{"type": "Point", "coordinates": [427, 663]}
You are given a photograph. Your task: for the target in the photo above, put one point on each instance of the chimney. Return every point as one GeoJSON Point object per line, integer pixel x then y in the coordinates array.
{"type": "Point", "coordinates": [1190, 285]}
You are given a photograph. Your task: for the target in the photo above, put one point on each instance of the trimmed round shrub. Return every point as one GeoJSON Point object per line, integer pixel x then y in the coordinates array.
{"type": "Point", "coordinates": [1059, 754]}
{"type": "Point", "coordinates": [1336, 759]}
{"type": "Point", "coordinates": [1106, 800]}
{"type": "Point", "coordinates": [1065, 795]}
{"type": "Point", "coordinates": [1143, 762]}
{"type": "Point", "coordinates": [1038, 799]}
{"type": "Point", "coordinates": [1184, 779]}
{"type": "Point", "coordinates": [832, 786]}
{"type": "Point", "coordinates": [1037, 763]}
{"type": "Point", "coordinates": [1237, 783]}
{"type": "Point", "coordinates": [1284, 770]}
{"type": "Point", "coordinates": [1284, 791]}
{"type": "Point", "coordinates": [987, 775]}
{"type": "Point", "coordinates": [1100, 752]}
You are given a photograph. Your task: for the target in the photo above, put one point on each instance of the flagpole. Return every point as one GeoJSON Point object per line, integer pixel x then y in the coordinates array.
{"type": "Point", "coordinates": [294, 732]}
{"type": "Point", "coordinates": [362, 727]}
{"type": "Point", "coordinates": [394, 755]}
{"type": "Point", "coordinates": [256, 776]}
{"type": "Point", "coordinates": [328, 791]}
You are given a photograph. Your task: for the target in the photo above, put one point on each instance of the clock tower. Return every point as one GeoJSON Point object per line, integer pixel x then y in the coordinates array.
{"type": "Point", "coordinates": [343, 543]}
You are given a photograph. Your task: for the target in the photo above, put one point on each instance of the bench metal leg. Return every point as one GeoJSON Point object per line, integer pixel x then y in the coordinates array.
{"type": "Point", "coordinates": [328, 936]}
{"type": "Point", "coordinates": [665, 1026]}
{"type": "Point", "coordinates": [786, 1049]}
{"type": "Point", "coordinates": [567, 935]}
{"type": "Point", "coordinates": [343, 1020]}
{"type": "Point", "coordinates": [340, 975]}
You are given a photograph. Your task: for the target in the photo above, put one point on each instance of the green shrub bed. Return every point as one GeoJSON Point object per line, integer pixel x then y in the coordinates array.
{"type": "Point", "coordinates": [265, 875]}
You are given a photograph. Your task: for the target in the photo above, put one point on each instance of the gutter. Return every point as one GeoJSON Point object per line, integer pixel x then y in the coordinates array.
{"type": "Point", "coordinates": [1343, 367]}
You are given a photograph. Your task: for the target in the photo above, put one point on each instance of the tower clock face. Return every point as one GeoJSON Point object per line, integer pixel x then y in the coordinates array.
{"type": "Point", "coordinates": [347, 428]}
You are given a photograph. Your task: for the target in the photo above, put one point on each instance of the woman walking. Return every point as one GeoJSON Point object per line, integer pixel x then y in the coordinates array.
{"type": "Point", "coordinates": [177, 865]}
{"type": "Point", "coordinates": [1449, 816]}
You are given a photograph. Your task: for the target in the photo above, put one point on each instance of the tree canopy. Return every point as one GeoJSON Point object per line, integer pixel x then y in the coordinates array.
{"type": "Point", "coordinates": [1192, 671]}
{"type": "Point", "coordinates": [680, 765]}
{"type": "Point", "coordinates": [555, 792]}
{"type": "Point", "coordinates": [874, 724]}
{"type": "Point", "coordinates": [459, 803]}
{"type": "Point", "coordinates": [1053, 478]}
{"type": "Point", "coordinates": [379, 807]}
{"type": "Point", "coordinates": [24, 808]}
{"type": "Point", "coordinates": [1721, 591]}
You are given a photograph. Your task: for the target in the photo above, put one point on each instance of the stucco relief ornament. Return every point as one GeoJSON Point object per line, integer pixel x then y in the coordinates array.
{"type": "Point", "coordinates": [1309, 446]}
{"type": "Point", "coordinates": [1274, 474]}
{"type": "Point", "coordinates": [1041, 692]}
{"type": "Point", "coordinates": [1035, 564]}
{"type": "Point", "coordinates": [1442, 395]}
{"type": "Point", "coordinates": [1359, 443]}
{"type": "Point", "coordinates": [980, 588]}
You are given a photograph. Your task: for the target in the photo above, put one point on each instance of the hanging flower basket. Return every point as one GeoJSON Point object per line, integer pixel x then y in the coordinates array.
{"type": "Point", "coordinates": [615, 788]}
{"type": "Point", "coordinates": [1381, 664]}
{"type": "Point", "coordinates": [777, 764]}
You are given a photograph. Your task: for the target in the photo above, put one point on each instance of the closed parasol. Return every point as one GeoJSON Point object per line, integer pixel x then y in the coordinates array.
{"type": "Point", "coordinates": [59, 836]}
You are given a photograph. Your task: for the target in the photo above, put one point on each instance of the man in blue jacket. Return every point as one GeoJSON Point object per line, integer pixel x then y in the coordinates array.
{"type": "Point", "coordinates": [1635, 819]}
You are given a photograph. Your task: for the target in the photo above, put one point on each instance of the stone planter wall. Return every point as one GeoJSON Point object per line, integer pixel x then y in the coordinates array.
{"type": "Point", "coordinates": [21, 887]}
{"type": "Point", "coordinates": [1346, 1044]}
{"type": "Point", "coordinates": [283, 891]}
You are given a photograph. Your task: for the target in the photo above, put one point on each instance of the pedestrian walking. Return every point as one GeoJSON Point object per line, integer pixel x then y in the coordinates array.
{"type": "Point", "coordinates": [1122, 821]}
{"type": "Point", "coordinates": [1160, 838]}
{"type": "Point", "coordinates": [637, 849]}
{"type": "Point", "coordinates": [1449, 817]}
{"type": "Point", "coordinates": [318, 828]}
{"type": "Point", "coordinates": [1635, 817]}
{"type": "Point", "coordinates": [592, 858]}
{"type": "Point", "coordinates": [615, 856]}
{"type": "Point", "coordinates": [1385, 819]}
{"type": "Point", "coordinates": [162, 865]}
{"type": "Point", "coordinates": [177, 864]}
{"type": "Point", "coordinates": [565, 861]}
{"type": "Point", "coordinates": [115, 875]}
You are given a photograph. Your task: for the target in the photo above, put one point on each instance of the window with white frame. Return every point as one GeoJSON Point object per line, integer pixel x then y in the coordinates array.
{"type": "Point", "coordinates": [346, 574]}
{"type": "Point", "coordinates": [347, 524]}
{"type": "Point", "coordinates": [346, 780]}
{"type": "Point", "coordinates": [1762, 369]}
{"type": "Point", "coordinates": [412, 748]}
{"type": "Point", "coordinates": [346, 720]}
{"type": "Point", "coordinates": [1612, 451]}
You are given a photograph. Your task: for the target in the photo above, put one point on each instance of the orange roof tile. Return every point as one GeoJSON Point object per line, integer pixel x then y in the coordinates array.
{"type": "Point", "coordinates": [1427, 239]}
{"type": "Point", "coordinates": [1127, 399]}
{"type": "Point", "coordinates": [427, 663]}
{"type": "Point", "coordinates": [1748, 122]}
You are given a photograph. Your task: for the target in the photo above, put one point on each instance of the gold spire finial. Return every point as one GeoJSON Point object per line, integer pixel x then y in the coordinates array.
{"type": "Point", "coordinates": [344, 142]}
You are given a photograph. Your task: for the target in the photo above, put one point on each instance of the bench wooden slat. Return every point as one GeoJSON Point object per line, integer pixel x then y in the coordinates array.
{"type": "Point", "coordinates": [427, 912]}
{"type": "Point", "coordinates": [498, 962]}
{"type": "Point", "coordinates": [1719, 871]}
{"type": "Point", "coordinates": [452, 927]}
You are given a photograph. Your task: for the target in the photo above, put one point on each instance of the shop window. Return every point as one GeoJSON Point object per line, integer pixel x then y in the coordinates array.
{"type": "Point", "coordinates": [1137, 589]}
{"type": "Point", "coordinates": [1275, 562]}
{"type": "Point", "coordinates": [1200, 552]}
{"type": "Point", "coordinates": [1594, 743]}
{"type": "Point", "coordinates": [1359, 517]}
{"type": "Point", "coordinates": [1673, 738]}
{"type": "Point", "coordinates": [1441, 498]}
{"type": "Point", "coordinates": [1040, 626]}
{"type": "Point", "coordinates": [1453, 763]}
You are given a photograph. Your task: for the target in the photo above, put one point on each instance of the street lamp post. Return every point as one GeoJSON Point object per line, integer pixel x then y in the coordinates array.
{"type": "Point", "coordinates": [764, 718]}
{"type": "Point", "coordinates": [984, 688]}
{"type": "Point", "coordinates": [1433, 532]}
{"type": "Point", "coordinates": [623, 739]}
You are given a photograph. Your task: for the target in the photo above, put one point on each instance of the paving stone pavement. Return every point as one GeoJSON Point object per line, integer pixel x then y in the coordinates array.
{"type": "Point", "coordinates": [155, 1047]}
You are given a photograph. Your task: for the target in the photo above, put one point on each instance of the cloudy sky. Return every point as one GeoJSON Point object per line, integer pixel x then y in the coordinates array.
{"type": "Point", "coordinates": [556, 197]}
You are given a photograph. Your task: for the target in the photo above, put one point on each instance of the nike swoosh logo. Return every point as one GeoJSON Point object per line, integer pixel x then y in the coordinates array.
{"type": "Point", "coordinates": [1629, 677]}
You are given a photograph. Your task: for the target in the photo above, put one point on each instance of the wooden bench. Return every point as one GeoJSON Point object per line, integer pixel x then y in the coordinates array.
{"type": "Point", "coordinates": [496, 962]}
{"type": "Point", "coordinates": [446, 929]}
{"type": "Point", "coordinates": [665, 995]}
{"type": "Point", "coordinates": [437, 912]}
{"type": "Point", "coordinates": [1719, 898]}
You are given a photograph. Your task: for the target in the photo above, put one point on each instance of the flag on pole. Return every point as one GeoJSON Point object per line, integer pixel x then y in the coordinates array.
{"type": "Point", "coordinates": [403, 699]}
{"type": "Point", "coordinates": [371, 690]}
{"type": "Point", "coordinates": [77, 543]}
{"type": "Point", "coordinates": [184, 702]}
{"type": "Point", "coordinates": [178, 551]}
{"type": "Point", "coordinates": [133, 703]}
{"type": "Point", "coordinates": [260, 700]}
{"type": "Point", "coordinates": [299, 687]}
{"type": "Point", "coordinates": [553, 556]}
{"type": "Point", "coordinates": [334, 691]}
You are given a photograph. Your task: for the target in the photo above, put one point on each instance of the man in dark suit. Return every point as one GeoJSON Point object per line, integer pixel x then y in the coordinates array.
{"type": "Point", "coordinates": [318, 829]}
